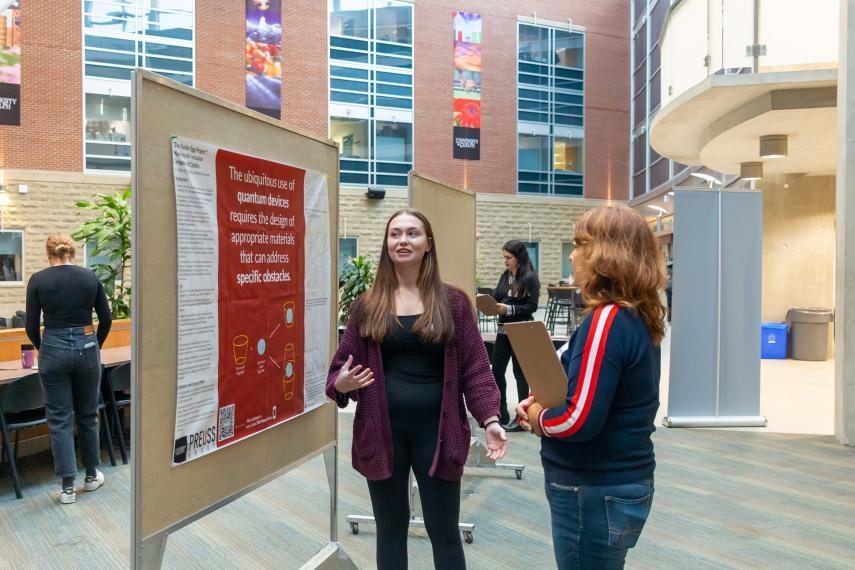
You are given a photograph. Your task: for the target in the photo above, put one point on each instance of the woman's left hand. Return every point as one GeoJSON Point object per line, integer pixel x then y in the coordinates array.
{"type": "Point", "coordinates": [497, 441]}
{"type": "Point", "coordinates": [503, 309]}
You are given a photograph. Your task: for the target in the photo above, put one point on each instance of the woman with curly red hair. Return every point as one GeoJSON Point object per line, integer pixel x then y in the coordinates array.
{"type": "Point", "coordinates": [596, 448]}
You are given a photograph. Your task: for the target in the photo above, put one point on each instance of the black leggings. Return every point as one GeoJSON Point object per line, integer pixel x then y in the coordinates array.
{"type": "Point", "coordinates": [414, 440]}
{"type": "Point", "coordinates": [502, 352]}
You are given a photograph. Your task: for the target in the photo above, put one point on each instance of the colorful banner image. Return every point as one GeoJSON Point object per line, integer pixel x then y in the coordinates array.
{"type": "Point", "coordinates": [466, 107]}
{"type": "Point", "coordinates": [10, 62]}
{"type": "Point", "coordinates": [264, 56]}
{"type": "Point", "coordinates": [247, 306]}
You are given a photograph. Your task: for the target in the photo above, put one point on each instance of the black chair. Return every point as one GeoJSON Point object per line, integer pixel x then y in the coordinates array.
{"type": "Point", "coordinates": [484, 321]}
{"type": "Point", "coordinates": [116, 389]}
{"type": "Point", "coordinates": [561, 309]}
{"type": "Point", "coordinates": [22, 405]}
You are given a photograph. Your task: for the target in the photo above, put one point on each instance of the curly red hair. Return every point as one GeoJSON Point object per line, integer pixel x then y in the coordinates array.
{"type": "Point", "coordinates": [617, 260]}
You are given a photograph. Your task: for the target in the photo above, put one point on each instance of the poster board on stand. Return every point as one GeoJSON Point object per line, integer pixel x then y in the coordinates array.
{"type": "Point", "coordinates": [451, 212]}
{"type": "Point", "coordinates": [166, 492]}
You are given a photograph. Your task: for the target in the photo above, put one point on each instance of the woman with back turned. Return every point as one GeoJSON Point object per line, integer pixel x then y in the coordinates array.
{"type": "Point", "coordinates": [413, 359]}
{"type": "Point", "coordinates": [69, 359]}
{"type": "Point", "coordinates": [596, 448]}
{"type": "Point", "coordinates": [517, 293]}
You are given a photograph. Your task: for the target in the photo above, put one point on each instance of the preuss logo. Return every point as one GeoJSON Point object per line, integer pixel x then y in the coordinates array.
{"type": "Point", "coordinates": [199, 441]}
{"type": "Point", "coordinates": [7, 103]}
{"type": "Point", "coordinates": [465, 143]}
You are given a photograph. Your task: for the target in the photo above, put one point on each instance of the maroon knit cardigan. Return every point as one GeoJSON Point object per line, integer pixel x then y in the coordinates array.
{"type": "Point", "coordinates": [467, 374]}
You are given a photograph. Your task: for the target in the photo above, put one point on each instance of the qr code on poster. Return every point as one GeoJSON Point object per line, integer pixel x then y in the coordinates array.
{"type": "Point", "coordinates": [227, 422]}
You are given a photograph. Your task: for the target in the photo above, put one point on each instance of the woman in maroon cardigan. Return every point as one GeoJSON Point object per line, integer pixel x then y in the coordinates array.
{"type": "Point", "coordinates": [410, 354]}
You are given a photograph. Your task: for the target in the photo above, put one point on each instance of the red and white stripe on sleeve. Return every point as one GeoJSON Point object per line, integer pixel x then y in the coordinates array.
{"type": "Point", "coordinates": [572, 417]}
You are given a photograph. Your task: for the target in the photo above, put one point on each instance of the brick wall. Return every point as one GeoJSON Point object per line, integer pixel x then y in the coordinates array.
{"type": "Point", "coordinates": [220, 45]}
{"type": "Point", "coordinates": [606, 25]}
{"type": "Point", "coordinates": [50, 136]}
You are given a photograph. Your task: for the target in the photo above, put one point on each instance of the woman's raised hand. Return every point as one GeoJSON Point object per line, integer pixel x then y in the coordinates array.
{"type": "Point", "coordinates": [350, 379]}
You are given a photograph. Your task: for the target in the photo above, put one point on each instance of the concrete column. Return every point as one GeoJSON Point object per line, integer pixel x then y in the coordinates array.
{"type": "Point", "coordinates": [844, 373]}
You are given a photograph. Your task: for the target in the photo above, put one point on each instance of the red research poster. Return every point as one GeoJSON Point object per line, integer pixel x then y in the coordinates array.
{"type": "Point", "coordinates": [248, 307]}
{"type": "Point", "coordinates": [261, 233]}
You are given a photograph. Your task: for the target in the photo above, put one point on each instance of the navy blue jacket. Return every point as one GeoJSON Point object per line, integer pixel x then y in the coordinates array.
{"type": "Point", "coordinates": [601, 435]}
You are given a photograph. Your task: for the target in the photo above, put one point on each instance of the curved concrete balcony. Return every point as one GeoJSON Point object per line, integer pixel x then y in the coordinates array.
{"type": "Point", "coordinates": [736, 70]}
{"type": "Point", "coordinates": [718, 122]}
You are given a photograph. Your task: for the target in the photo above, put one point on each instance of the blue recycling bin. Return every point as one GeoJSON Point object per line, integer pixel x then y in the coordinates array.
{"type": "Point", "coordinates": [773, 340]}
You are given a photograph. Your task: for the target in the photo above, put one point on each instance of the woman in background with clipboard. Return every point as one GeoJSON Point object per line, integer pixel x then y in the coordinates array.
{"type": "Point", "coordinates": [596, 448]}
{"type": "Point", "coordinates": [517, 294]}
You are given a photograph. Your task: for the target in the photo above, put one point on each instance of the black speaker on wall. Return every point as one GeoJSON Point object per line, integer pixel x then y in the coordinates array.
{"type": "Point", "coordinates": [375, 193]}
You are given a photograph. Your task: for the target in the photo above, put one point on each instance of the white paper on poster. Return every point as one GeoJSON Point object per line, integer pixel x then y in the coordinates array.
{"type": "Point", "coordinates": [194, 171]}
{"type": "Point", "coordinates": [317, 284]}
{"type": "Point", "coordinates": [198, 401]}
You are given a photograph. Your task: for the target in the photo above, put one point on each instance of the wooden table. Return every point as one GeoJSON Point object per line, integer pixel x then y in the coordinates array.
{"type": "Point", "coordinates": [11, 370]}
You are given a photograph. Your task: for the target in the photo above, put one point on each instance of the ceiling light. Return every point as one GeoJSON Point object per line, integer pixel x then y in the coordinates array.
{"type": "Point", "coordinates": [659, 209]}
{"type": "Point", "coordinates": [671, 193]}
{"type": "Point", "coordinates": [773, 146]}
{"type": "Point", "coordinates": [751, 170]}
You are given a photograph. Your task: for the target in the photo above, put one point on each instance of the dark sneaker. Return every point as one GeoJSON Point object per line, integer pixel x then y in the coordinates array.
{"type": "Point", "coordinates": [513, 426]}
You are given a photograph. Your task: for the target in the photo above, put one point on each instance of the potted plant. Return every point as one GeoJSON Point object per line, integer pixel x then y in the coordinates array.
{"type": "Point", "coordinates": [355, 280]}
{"type": "Point", "coordinates": [109, 233]}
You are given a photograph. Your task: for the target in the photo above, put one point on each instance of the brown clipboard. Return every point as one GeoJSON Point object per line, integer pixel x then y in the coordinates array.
{"type": "Point", "coordinates": [487, 305]}
{"type": "Point", "coordinates": [539, 362]}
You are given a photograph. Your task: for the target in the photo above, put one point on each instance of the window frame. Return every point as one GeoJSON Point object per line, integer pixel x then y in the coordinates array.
{"type": "Point", "coordinates": [22, 281]}
{"type": "Point", "coordinates": [356, 249]}
{"type": "Point", "coordinates": [569, 181]}
{"type": "Point", "coordinates": [372, 111]}
{"type": "Point", "coordinates": [96, 85]}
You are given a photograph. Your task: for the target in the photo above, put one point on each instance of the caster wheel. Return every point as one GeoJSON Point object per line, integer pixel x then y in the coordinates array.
{"type": "Point", "coordinates": [354, 528]}
{"type": "Point", "coordinates": [519, 473]}
{"type": "Point", "coordinates": [467, 537]}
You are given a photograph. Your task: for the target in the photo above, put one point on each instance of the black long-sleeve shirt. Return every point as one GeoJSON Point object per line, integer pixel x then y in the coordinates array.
{"type": "Point", "coordinates": [519, 308]}
{"type": "Point", "coordinates": [66, 294]}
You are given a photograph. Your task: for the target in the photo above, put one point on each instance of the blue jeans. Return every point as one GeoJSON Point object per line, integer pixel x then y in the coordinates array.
{"type": "Point", "coordinates": [70, 371]}
{"type": "Point", "coordinates": [594, 527]}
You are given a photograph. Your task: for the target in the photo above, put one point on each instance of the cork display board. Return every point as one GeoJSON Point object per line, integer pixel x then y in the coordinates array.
{"type": "Point", "coordinates": [451, 212]}
{"type": "Point", "coordinates": [165, 496]}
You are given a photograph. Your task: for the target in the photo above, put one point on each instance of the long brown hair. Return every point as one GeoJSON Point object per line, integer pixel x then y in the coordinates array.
{"type": "Point", "coordinates": [375, 314]}
{"type": "Point", "coordinates": [618, 261]}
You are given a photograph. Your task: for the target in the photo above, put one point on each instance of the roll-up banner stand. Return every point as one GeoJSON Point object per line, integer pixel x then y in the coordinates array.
{"type": "Point", "coordinates": [715, 327]}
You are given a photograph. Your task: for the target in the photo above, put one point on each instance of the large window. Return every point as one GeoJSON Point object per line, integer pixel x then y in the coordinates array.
{"type": "Point", "coordinates": [567, 248]}
{"type": "Point", "coordinates": [533, 249]}
{"type": "Point", "coordinates": [120, 35]}
{"type": "Point", "coordinates": [371, 90]}
{"type": "Point", "coordinates": [12, 256]}
{"type": "Point", "coordinates": [347, 250]}
{"type": "Point", "coordinates": [550, 102]}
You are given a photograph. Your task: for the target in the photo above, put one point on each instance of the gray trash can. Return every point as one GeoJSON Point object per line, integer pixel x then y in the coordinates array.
{"type": "Point", "coordinates": [809, 332]}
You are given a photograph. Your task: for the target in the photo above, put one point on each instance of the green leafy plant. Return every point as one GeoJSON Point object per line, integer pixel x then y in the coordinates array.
{"type": "Point", "coordinates": [355, 280]}
{"type": "Point", "coordinates": [110, 235]}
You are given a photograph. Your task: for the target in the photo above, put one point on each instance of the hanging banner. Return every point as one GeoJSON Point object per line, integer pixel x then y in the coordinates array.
{"type": "Point", "coordinates": [252, 313]}
{"type": "Point", "coordinates": [467, 85]}
{"type": "Point", "coordinates": [10, 62]}
{"type": "Point", "coordinates": [264, 57]}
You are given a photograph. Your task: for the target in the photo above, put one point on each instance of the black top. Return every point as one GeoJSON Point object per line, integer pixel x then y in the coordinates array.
{"type": "Point", "coordinates": [519, 308]}
{"type": "Point", "coordinates": [67, 294]}
{"type": "Point", "coordinates": [414, 370]}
